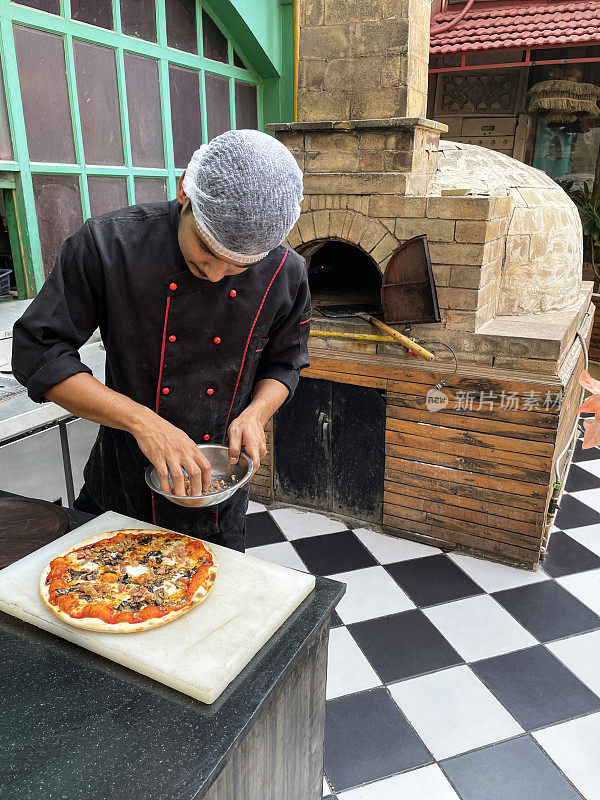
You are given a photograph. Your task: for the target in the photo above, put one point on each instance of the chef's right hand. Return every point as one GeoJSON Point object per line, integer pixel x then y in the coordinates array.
{"type": "Point", "coordinates": [169, 449]}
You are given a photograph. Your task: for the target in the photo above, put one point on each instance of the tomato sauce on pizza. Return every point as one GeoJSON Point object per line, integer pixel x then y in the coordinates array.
{"type": "Point", "coordinates": [128, 580]}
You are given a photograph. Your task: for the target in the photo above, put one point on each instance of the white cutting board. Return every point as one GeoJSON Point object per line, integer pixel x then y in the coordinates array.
{"type": "Point", "coordinates": [198, 654]}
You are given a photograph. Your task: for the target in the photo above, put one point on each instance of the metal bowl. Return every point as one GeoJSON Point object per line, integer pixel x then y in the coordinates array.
{"type": "Point", "coordinates": [235, 474]}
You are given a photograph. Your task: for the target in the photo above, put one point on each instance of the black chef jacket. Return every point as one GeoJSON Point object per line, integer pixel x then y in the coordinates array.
{"type": "Point", "coordinates": [185, 347]}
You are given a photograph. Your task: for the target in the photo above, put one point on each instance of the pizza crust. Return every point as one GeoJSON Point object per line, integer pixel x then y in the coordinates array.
{"type": "Point", "coordinates": [98, 625]}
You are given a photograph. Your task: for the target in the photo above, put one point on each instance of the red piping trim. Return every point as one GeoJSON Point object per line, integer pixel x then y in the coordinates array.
{"type": "Point", "coordinates": [305, 321]}
{"type": "Point", "coordinates": [160, 372]}
{"type": "Point", "coordinates": [262, 302]}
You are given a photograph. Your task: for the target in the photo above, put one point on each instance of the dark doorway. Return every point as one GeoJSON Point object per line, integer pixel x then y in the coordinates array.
{"type": "Point", "coordinates": [340, 273]}
{"type": "Point", "coordinates": [330, 449]}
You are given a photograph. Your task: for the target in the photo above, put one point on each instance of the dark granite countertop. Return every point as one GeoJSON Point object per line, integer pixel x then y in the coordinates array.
{"type": "Point", "coordinates": [76, 726]}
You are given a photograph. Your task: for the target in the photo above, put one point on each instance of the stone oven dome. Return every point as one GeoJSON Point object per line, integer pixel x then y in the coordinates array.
{"type": "Point", "coordinates": [541, 269]}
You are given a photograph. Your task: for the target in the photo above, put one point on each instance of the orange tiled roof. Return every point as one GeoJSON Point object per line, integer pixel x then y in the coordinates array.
{"type": "Point", "coordinates": [493, 26]}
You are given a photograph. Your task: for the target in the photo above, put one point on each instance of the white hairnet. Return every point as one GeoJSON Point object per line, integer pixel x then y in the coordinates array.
{"type": "Point", "coordinates": [245, 188]}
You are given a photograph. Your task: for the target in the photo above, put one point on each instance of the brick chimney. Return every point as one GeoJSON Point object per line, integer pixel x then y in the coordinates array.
{"type": "Point", "coordinates": [363, 59]}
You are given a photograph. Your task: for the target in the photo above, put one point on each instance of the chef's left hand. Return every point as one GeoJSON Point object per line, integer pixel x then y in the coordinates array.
{"type": "Point", "coordinates": [247, 431]}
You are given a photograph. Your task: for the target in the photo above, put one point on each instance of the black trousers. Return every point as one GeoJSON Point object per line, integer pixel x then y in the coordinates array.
{"type": "Point", "coordinates": [234, 539]}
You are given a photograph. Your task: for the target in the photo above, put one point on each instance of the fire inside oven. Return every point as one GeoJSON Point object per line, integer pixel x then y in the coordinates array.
{"type": "Point", "coordinates": [340, 274]}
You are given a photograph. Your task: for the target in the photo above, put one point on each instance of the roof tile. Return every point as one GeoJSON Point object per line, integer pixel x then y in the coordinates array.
{"type": "Point", "coordinates": [498, 25]}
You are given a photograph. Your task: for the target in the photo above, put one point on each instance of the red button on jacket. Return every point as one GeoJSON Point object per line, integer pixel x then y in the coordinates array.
{"type": "Point", "coordinates": [166, 390]}
{"type": "Point", "coordinates": [172, 338]}
{"type": "Point", "coordinates": [210, 391]}
{"type": "Point", "coordinates": [217, 340]}
{"type": "Point", "coordinates": [232, 293]}
{"type": "Point", "coordinates": [206, 437]}
{"type": "Point", "coordinates": [172, 286]}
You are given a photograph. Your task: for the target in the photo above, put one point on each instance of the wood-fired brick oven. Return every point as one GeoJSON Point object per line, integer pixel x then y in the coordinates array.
{"type": "Point", "coordinates": [469, 464]}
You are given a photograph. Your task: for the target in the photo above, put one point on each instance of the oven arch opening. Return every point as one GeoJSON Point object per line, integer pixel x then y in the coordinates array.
{"type": "Point", "coordinates": [341, 274]}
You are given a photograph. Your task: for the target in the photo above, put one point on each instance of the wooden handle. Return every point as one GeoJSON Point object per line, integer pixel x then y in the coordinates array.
{"type": "Point", "coordinates": [401, 339]}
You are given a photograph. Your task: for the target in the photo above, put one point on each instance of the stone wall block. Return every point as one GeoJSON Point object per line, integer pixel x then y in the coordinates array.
{"type": "Point", "coordinates": [448, 207]}
{"type": "Point", "coordinates": [306, 226]}
{"type": "Point", "coordinates": [384, 249]}
{"type": "Point", "coordinates": [458, 299]}
{"type": "Point", "coordinates": [436, 230]}
{"type": "Point", "coordinates": [468, 254]}
{"type": "Point", "coordinates": [392, 206]}
{"type": "Point", "coordinates": [321, 219]}
{"type": "Point", "coordinates": [332, 161]}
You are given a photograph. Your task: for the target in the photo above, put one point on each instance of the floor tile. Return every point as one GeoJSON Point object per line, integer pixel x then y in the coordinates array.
{"type": "Point", "coordinates": [585, 586]}
{"type": "Point", "coordinates": [591, 497]}
{"type": "Point", "coordinates": [432, 580]}
{"type": "Point", "coordinates": [492, 576]}
{"type": "Point", "coordinates": [452, 711]}
{"type": "Point", "coordinates": [388, 549]}
{"type": "Point", "coordinates": [280, 553]}
{"type": "Point", "coordinates": [425, 783]}
{"type": "Point", "coordinates": [581, 654]}
{"type": "Point", "coordinates": [573, 514]}
{"type": "Point", "coordinates": [478, 627]}
{"type": "Point", "coordinates": [297, 524]}
{"type": "Point", "coordinates": [254, 508]}
{"type": "Point", "coordinates": [367, 738]}
{"type": "Point", "coordinates": [260, 530]}
{"type": "Point", "coordinates": [370, 593]}
{"type": "Point", "coordinates": [588, 536]}
{"type": "Point", "coordinates": [513, 770]}
{"type": "Point", "coordinates": [575, 747]}
{"type": "Point", "coordinates": [580, 455]}
{"type": "Point", "coordinates": [547, 610]}
{"type": "Point", "coordinates": [403, 645]}
{"type": "Point", "coordinates": [535, 687]}
{"type": "Point", "coordinates": [565, 556]}
{"type": "Point", "coordinates": [326, 789]}
{"type": "Point", "coordinates": [335, 620]}
{"type": "Point", "coordinates": [580, 480]}
{"type": "Point", "coordinates": [348, 670]}
{"type": "Point", "coordinates": [333, 553]}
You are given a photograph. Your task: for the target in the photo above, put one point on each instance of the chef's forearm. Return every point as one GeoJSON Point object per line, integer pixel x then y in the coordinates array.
{"type": "Point", "coordinates": [267, 396]}
{"type": "Point", "coordinates": [84, 396]}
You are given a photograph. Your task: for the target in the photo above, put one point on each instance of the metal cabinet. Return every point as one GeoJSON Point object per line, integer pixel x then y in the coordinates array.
{"type": "Point", "coordinates": [81, 435]}
{"type": "Point", "coordinates": [33, 466]}
{"type": "Point", "coordinates": [330, 449]}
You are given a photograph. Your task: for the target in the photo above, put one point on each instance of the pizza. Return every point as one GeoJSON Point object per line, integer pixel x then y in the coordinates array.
{"type": "Point", "coordinates": [128, 580]}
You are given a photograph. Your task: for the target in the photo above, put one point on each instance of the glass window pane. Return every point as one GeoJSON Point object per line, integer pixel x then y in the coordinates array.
{"type": "Point", "coordinates": [181, 25]}
{"type": "Point", "coordinates": [214, 43]}
{"type": "Point", "coordinates": [150, 190]}
{"type": "Point", "coordinates": [58, 207]}
{"type": "Point", "coordinates": [98, 103]}
{"type": "Point", "coordinates": [106, 194]}
{"type": "Point", "coordinates": [245, 105]}
{"type": "Point", "coordinates": [6, 151]}
{"type": "Point", "coordinates": [185, 113]}
{"type": "Point", "coordinates": [96, 12]}
{"type": "Point", "coordinates": [217, 105]}
{"type": "Point", "coordinates": [138, 18]}
{"type": "Point", "coordinates": [237, 61]}
{"type": "Point", "coordinates": [51, 6]}
{"type": "Point", "coordinates": [43, 80]}
{"type": "Point", "coordinates": [145, 119]}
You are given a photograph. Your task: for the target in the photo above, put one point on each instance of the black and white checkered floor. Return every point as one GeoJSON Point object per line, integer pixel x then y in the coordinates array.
{"type": "Point", "coordinates": [452, 677]}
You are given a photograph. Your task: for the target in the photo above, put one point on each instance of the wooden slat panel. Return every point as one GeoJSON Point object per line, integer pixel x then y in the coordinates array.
{"type": "Point", "coordinates": [519, 417]}
{"type": "Point", "coordinates": [471, 423]}
{"type": "Point", "coordinates": [462, 507]}
{"type": "Point", "coordinates": [468, 463]}
{"type": "Point", "coordinates": [439, 431]}
{"type": "Point", "coordinates": [530, 495]}
{"type": "Point", "coordinates": [507, 502]}
{"type": "Point", "coordinates": [441, 440]}
{"type": "Point", "coordinates": [342, 377]}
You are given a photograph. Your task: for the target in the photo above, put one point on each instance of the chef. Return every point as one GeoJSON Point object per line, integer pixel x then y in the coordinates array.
{"type": "Point", "coordinates": [203, 311]}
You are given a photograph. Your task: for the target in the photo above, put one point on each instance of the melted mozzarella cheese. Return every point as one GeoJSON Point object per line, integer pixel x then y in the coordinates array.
{"type": "Point", "coordinates": [169, 587]}
{"type": "Point", "coordinates": [136, 571]}
{"type": "Point", "coordinates": [90, 566]}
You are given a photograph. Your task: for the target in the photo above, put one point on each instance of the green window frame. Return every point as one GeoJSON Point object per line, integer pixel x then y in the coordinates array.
{"type": "Point", "coordinates": [31, 268]}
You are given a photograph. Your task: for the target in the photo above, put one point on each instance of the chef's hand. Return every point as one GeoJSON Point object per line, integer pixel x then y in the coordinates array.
{"type": "Point", "coordinates": [170, 449]}
{"type": "Point", "coordinates": [247, 431]}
